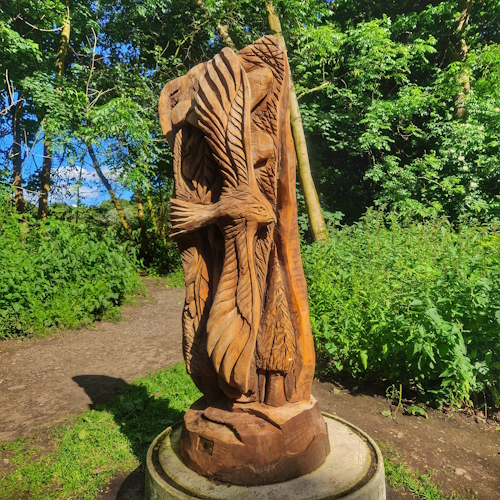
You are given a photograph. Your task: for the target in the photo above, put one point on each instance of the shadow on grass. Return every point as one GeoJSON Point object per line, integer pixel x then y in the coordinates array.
{"type": "Point", "coordinates": [141, 417]}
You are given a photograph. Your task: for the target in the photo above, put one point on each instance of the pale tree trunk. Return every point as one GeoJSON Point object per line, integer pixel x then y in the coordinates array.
{"type": "Point", "coordinates": [112, 194]}
{"type": "Point", "coordinates": [460, 54]}
{"type": "Point", "coordinates": [47, 155]}
{"type": "Point", "coordinates": [17, 112]}
{"type": "Point", "coordinates": [313, 207]}
{"type": "Point", "coordinates": [45, 180]}
{"type": "Point", "coordinates": [145, 249]}
{"type": "Point", "coordinates": [152, 211]}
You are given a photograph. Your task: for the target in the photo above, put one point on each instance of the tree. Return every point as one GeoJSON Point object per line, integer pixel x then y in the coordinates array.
{"type": "Point", "coordinates": [47, 154]}
{"type": "Point", "coordinates": [313, 207]}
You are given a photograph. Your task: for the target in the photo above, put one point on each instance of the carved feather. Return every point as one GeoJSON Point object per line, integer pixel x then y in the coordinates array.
{"type": "Point", "coordinates": [194, 316]}
{"type": "Point", "coordinates": [223, 109]}
{"type": "Point", "coordinates": [229, 324]}
{"type": "Point", "coordinates": [276, 338]}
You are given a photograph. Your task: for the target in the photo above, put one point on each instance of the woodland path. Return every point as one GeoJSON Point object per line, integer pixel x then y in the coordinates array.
{"type": "Point", "coordinates": [42, 382]}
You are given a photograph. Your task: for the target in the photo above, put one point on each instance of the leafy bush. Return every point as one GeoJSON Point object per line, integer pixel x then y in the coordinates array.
{"type": "Point", "coordinates": [59, 274]}
{"type": "Point", "coordinates": [411, 302]}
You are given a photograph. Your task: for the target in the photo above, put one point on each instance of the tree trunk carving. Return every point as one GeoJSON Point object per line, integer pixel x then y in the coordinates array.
{"type": "Point", "coordinates": [247, 336]}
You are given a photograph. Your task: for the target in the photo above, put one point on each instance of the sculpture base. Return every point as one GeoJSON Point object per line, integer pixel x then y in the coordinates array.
{"type": "Point", "coordinates": [354, 470]}
{"type": "Point", "coordinates": [253, 443]}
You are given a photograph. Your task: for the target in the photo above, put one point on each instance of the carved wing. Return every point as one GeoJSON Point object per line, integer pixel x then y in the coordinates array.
{"type": "Point", "coordinates": [232, 321]}
{"type": "Point", "coordinates": [195, 177]}
{"type": "Point", "coordinates": [223, 109]}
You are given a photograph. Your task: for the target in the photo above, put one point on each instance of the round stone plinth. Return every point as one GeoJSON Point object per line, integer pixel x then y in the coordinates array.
{"type": "Point", "coordinates": [354, 470]}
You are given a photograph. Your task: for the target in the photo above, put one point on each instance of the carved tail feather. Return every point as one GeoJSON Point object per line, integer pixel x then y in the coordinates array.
{"type": "Point", "coordinates": [231, 326]}
{"type": "Point", "coordinates": [194, 314]}
{"type": "Point", "coordinates": [276, 338]}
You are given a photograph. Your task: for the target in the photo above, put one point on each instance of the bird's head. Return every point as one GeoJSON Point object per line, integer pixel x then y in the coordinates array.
{"type": "Point", "coordinates": [250, 205]}
{"type": "Point", "coordinates": [259, 210]}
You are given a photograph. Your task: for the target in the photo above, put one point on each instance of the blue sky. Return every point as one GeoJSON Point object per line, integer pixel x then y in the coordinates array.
{"type": "Point", "coordinates": [65, 174]}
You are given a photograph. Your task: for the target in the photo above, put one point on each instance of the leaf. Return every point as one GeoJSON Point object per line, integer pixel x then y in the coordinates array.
{"type": "Point", "coordinates": [83, 434]}
{"type": "Point", "coordinates": [487, 357]}
{"type": "Point", "coordinates": [387, 413]}
{"type": "Point", "coordinates": [416, 410]}
{"type": "Point", "coordinates": [497, 316]}
{"type": "Point", "coordinates": [364, 358]}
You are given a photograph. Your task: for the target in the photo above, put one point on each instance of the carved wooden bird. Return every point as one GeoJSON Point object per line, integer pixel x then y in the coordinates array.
{"type": "Point", "coordinates": [223, 113]}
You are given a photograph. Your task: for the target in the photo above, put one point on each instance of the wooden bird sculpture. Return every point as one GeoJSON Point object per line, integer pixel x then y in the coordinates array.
{"type": "Point", "coordinates": [247, 340]}
{"type": "Point", "coordinates": [223, 111]}
{"type": "Point", "coordinates": [246, 330]}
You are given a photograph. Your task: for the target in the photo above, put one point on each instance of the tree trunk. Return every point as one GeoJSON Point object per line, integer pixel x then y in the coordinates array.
{"type": "Point", "coordinates": [44, 181]}
{"type": "Point", "coordinates": [460, 54]}
{"type": "Point", "coordinates": [78, 186]}
{"type": "Point", "coordinates": [63, 49]}
{"type": "Point", "coordinates": [145, 249]}
{"type": "Point", "coordinates": [223, 30]}
{"type": "Point", "coordinates": [17, 112]}
{"type": "Point", "coordinates": [313, 207]}
{"type": "Point", "coordinates": [152, 212]}
{"type": "Point", "coordinates": [112, 194]}
{"type": "Point", "coordinates": [47, 156]}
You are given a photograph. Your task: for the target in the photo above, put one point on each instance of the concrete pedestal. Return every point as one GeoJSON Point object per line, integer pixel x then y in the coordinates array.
{"type": "Point", "coordinates": [354, 470]}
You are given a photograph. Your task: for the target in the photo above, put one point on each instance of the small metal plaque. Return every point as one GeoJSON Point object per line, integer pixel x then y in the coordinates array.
{"type": "Point", "coordinates": [205, 446]}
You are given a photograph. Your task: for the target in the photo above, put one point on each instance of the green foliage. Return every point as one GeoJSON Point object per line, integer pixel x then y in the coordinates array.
{"type": "Point", "coordinates": [416, 303]}
{"type": "Point", "coordinates": [416, 410]}
{"type": "Point", "coordinates": [175, 279]}
{"type": "Point", "coordinates": [102, 443]}
{"type": "Point", "coordinates": [378, 85]}
{"type": "Point", "coordinates": [58, 274]}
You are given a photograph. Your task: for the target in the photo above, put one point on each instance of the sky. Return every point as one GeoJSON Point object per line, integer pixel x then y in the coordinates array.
{"type": "Point", "coordinates": [65, 174]}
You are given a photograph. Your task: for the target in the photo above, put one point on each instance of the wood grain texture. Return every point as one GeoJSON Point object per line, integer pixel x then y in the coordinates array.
{"type": "Point", "coordinates": [233, 212]}
{"type": "Point", "coordinates": [246, 333]}
{"type": "Point", "coordinates": [253, 443]}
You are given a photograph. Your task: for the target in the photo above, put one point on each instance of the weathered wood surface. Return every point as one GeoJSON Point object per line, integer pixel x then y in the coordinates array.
{"type": "Point", "coordinates": [246, 320]}
{"type": "Point", "coordinates": [246, 329]}
{"type": "Point", "coordinates": [253, 443]}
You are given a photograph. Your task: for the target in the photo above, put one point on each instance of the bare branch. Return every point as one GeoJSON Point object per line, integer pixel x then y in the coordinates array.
{"type": "Point", "coordinates": [315, 89]}
{"type": "Point", "coordinates": [91, 71]}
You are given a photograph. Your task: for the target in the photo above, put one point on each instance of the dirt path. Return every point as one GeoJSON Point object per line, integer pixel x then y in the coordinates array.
{"type": "Point", "coordinates": [41, 381]}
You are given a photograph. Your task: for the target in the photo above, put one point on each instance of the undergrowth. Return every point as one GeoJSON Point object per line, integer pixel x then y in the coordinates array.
{"type": "Point", "coordinates": [58, 274]}
{"type": "Point", "coordinates": [416, 303]}
{"type": "Point", "coordinates": [400, 477]}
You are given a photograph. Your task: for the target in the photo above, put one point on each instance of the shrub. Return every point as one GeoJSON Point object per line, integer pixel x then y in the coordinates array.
{"type": "Point", "coordinates": [58, 274]}
{"type": "Point", "coordinates": [416, 303]}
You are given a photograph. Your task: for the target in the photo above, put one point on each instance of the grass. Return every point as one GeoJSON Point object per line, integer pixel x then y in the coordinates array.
{"type": "Point", "coordinates": [400, 477]}
{"type": "Point", "coordinates": [77, 459]}
{"type": "Point", "coordinates": [175, 279]}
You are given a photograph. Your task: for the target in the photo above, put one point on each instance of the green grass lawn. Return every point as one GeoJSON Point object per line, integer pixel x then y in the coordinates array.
{"type": "Point", "coordinates": [78, 458]}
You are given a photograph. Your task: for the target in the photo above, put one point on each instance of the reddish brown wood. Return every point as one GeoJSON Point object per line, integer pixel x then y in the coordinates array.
{"type": "Point", "coordinates": [253, 443]}
{"type": "Point", "coordinates": [246, 331]}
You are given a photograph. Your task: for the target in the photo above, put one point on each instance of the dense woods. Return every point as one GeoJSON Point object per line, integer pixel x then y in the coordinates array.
{"type": "Point", "coordinates": [397, 108]}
